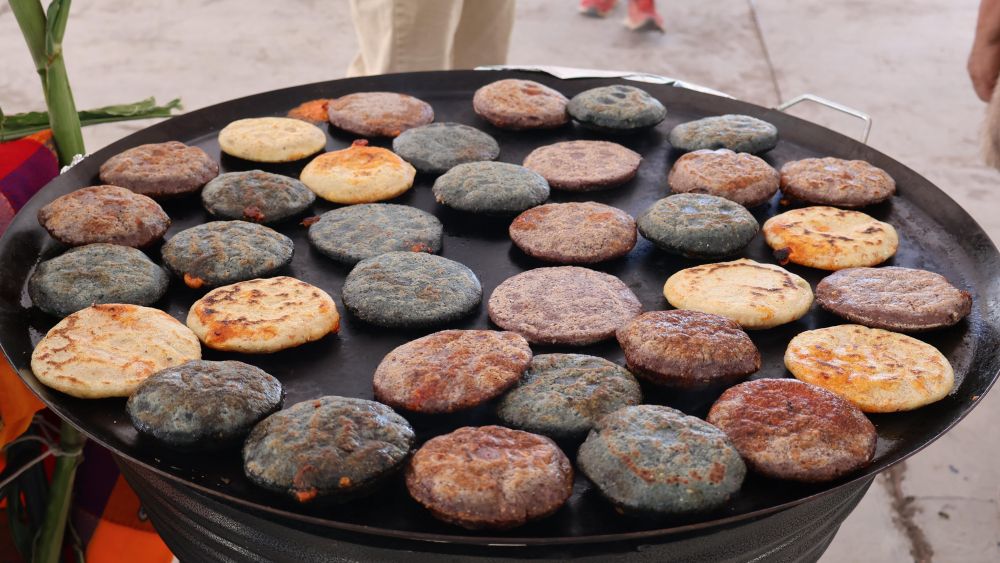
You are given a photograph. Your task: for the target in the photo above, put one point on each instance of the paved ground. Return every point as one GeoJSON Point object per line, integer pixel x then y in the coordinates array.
{"type": "Point", "coordinates": [902, 61]}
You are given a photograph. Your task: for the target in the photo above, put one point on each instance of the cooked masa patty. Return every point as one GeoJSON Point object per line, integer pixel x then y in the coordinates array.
{"type": "Point", "coordinates": [438, 147]}
{"type": "Point", "coordinates": [271, 139]}
{"type": "Point", "coordinates": [263, 315]}
{"type": "Point", "coordinates": [351, 234]}
{"type": "Point", "coordinates": [160, 170]}
{"type": "Point", "coordinates": [687, 349]}
{"type": "Point", "coordinates": [563, 305]}
{"type": "Point", "coordinates": [327, 448]}
{"type": "Point", "coordinates": [104, 214]}
{"type": "Point", "coordinates": [564, 395]}
{"type": "Point", "coordinates": [378, 114]}
{"type": "Point", "coordinates": [256, 196]}
{"type": "Point", "coordinates": [520, 104]}
{"type": "Point", "coordinates": [582, 166]}
{"type": "Point", "coordinates": [224, 252]}
{"type": "Point", "coordinates": [787, 429]}
{"type": "Point", "coordinates": [358, 174]}
{"type": "Point", "coordinates": [617, 108]}
{"type": "Point", "coordinates": [829, 238]}
{"type": "Point", "coordinates": [451, 370]}
{"type": "Point", "coordinates": [740, 177]}
{"type": "Point", "coordinates": [411, 290]}
{"type": "Point", "coordinates": [574, 233]}
{"type": "Point", "coordinates": [490, 187]}
{"type": "Point", "coordinates": [651, 458]}
{"type": "Point", "coordinates": [490, 477]}
{"type": "Point", "coordinates": [877, 370]}
{"type": "Point", "coordinates": [312, 111]}
{"type": "Point", "coordinates": [753, 294]}
{"type": "Point", "coordinates": [739, 133]}
{"type": "Point", "coordinates": [836, 182]}
{"type": "Point", "coordinates": [202, 405]}
{"type": "Point", "coordinates": [893, 298]}
{"type": "Point", "coordinates": [698, 225]}
{"type": "Point", "coordinates": [107, 350]}
{"type": "Point", "coordinates": [96, 273]}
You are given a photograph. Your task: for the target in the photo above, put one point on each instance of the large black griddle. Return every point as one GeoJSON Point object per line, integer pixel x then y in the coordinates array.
{"type": "Point", "coordinates": [935, 234]}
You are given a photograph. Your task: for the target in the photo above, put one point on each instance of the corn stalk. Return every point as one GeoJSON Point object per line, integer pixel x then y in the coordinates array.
{"type": "Point", "coordinates": [43, 31]}
{"type": "Point", "coordinates": [48, 544]}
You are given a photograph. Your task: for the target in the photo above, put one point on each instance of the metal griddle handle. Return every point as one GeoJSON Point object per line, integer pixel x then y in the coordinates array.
{"type": "Point", "coordinates": [832, 105]}
{"type": "Point", "coordinates": [569, 73]}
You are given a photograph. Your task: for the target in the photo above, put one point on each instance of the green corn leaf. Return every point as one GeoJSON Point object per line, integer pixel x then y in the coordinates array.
{"type": "Point", "coordinates": [23, 124]}
{"type": "Point", "coordinates": [31, 18]}
{"type": "Point", "coordinates": [140, 109]}
{"type": "Point", "coordinates": [56, 18]}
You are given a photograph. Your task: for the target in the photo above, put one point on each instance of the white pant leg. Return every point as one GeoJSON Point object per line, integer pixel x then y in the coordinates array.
{"type": "Point", "coordinates": [483, 34]}
{"type": "Point", "coordinates": [411, 35]}
{"type": "Point", "coordinates": [403, 35]}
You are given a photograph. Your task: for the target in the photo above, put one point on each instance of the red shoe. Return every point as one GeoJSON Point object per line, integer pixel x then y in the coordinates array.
{"type": "Point", "coordinates": [642, 15]}
{"type": "Point", "coordinates": [596, 8]}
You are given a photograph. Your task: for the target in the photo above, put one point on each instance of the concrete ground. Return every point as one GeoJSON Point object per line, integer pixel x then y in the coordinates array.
{"type": "Point", "coordinates": [902, 61]}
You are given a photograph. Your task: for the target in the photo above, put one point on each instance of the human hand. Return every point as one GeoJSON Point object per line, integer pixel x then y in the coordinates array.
{"type": "Point", "coordinates": [984, 67]}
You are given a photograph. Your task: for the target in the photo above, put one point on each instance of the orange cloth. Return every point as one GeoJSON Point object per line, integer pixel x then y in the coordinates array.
{"type": "Point", "coordinates": [17, 406]}
{"type": "Point", "coordinates": [121, 536]}
{"type": "Point", "coordinates": [26, 167]}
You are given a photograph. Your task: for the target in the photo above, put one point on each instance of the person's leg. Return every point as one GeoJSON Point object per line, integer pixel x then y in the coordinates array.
{"type": "Point", "coordinates": [483, 33]}
{"type": "Point", "coordinates": [642, 14]}
{"type": "Point", "coordinates": [403, 35]}
{"type": "Point", "coordinates": [597, 8]}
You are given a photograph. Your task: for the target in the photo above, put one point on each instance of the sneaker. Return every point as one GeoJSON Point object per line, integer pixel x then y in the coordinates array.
{"type": "Point", "coordinates": [596, 8]}
{"type": "Point", "coordinates": [642, 15]}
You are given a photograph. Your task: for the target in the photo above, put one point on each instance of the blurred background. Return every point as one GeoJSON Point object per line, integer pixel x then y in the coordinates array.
{"type": "Point", "coordinates": [901, 61]}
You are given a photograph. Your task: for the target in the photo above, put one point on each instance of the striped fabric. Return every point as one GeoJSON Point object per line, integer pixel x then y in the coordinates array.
{"type": "Point", "coordinates": [25, 166]}
{"type": "Point", "coordinates": [106, 512]}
